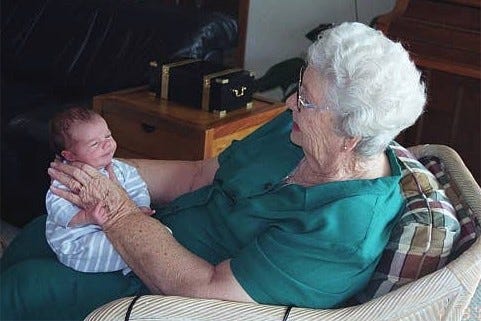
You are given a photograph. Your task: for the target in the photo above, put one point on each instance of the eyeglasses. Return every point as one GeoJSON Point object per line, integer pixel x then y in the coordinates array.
{"type": "Point", "coordinates": [301, 100]}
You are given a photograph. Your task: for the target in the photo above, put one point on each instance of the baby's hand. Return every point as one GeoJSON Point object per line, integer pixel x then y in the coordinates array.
{"type": "Point", "coordinates": [97, 214]}
{"type": "Point", "coordinates": [147, 210]}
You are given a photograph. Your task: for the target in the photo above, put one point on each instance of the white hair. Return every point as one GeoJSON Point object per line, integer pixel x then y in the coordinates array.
{"type": "Point", "coordinates": [372, 85]}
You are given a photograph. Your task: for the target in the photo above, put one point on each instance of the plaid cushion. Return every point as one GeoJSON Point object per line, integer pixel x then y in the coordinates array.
{"type": "Point", "coordinates": [470, 226]}
{"type": "Point", "coordinates": [422, 240]}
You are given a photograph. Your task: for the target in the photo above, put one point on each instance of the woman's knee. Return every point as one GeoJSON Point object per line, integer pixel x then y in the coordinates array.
{"type": "Point", "coordinates": [45, 289]}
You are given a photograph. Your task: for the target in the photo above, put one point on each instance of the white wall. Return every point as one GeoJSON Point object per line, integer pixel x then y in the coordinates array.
{"type": "Point", "coordinates": [276, 28]}
{"type": "Point", "coordinates": [368, 9]}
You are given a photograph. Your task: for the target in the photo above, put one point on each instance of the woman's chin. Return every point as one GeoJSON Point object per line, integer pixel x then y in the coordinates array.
{"type": "Point", "coordinates": [295, 127]}
{"type": "Point", "coordinates": [295, 138]}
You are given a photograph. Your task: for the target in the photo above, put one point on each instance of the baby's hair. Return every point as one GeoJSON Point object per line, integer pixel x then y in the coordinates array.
{"type": "Point", "coordinates": [61, 123]}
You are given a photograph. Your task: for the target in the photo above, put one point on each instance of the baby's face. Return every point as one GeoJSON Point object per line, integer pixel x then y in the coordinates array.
{"type": "Point", "coordinates": [91, 143]}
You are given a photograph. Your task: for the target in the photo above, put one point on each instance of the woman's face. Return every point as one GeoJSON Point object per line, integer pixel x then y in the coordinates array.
{"type": "Point", "coordinates": [312, 128]}
{"type": "Point", "coordinates": [91, 143]}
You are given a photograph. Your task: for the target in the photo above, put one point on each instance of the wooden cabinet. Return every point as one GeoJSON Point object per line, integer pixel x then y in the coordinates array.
{"type": "Point", "coordinates": [148, 127]}
{"type": "Point", "coordinates": [443, 38]}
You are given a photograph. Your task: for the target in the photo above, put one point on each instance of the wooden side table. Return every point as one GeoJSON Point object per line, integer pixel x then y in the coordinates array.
{"type": "Point", "coordinates": [145, 126]}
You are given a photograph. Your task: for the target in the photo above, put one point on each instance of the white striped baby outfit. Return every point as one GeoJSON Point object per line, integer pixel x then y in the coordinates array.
{"type": "Point", "coordinates": [86, 248]}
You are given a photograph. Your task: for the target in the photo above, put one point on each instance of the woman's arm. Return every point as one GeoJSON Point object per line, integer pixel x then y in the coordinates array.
{"type": "Point", "coordinates": [165, 266]}
{"type": "Point", "coordinates": [167, 180]}
{"type": "Point", "coordinates": [144, 243]}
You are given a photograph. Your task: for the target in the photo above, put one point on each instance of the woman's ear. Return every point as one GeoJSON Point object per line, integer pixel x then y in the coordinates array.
{"type": "Point", "coordinates": [68, 155]}
{"type": "Point", "coordinates": [350, 143]}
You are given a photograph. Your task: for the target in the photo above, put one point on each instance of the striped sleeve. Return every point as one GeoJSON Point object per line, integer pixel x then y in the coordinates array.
{"type": "Point", "coordinates": [132, 182]}
{"type": "Point", "coordinates": [59, 210]}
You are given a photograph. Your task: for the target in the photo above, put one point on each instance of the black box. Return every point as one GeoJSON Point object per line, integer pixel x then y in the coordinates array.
{"type": "Point", "coordinates": [203, 85]}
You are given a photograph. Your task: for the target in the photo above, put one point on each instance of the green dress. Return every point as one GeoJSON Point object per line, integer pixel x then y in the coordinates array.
{"type": "Point", "coordinates": [289, 245]}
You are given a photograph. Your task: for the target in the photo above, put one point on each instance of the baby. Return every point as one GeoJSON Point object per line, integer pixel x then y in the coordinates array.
{"type": "Point", "coordinates": [82, 135]}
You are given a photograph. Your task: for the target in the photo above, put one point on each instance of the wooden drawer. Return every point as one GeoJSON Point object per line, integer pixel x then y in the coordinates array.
{"type": "Point", "coordinates": [144, 135]}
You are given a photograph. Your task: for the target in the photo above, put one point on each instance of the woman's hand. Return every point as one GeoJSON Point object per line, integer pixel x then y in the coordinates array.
{"type": "Point", "coordinates": [88, 187]}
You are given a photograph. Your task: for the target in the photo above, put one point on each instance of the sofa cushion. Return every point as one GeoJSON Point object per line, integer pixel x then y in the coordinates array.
{"type": "Point", "coordinates": [422, 239]}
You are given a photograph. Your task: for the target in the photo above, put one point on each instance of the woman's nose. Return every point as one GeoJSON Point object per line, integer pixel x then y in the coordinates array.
{"type": "Point", "coordinates": [291, 102]}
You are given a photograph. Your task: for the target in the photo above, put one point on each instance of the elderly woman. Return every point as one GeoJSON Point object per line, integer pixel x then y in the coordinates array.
{"type": "Point", "coordinates": [298, 213]}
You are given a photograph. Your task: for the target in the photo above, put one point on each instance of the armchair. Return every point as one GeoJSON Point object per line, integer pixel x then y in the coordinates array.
{"type": "Point", "coordinates": [446, 294]}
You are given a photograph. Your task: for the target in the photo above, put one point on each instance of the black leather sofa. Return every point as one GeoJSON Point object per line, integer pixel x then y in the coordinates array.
{"type": "Point", "coordinates": [57, 53]}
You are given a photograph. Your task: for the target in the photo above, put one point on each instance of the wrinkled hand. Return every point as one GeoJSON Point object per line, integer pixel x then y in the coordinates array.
{"type": "Point", "coordinates": [88, 187]}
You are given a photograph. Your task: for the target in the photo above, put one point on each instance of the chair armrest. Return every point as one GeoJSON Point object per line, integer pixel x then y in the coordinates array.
{"type": "Point", "coordinates": [169, 308]}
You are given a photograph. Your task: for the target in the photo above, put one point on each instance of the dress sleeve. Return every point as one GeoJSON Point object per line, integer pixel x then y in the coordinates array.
{"type": "Point", "coordinates": [326, 252]}
{"type": "Point", "coordinates": [272, 265]}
